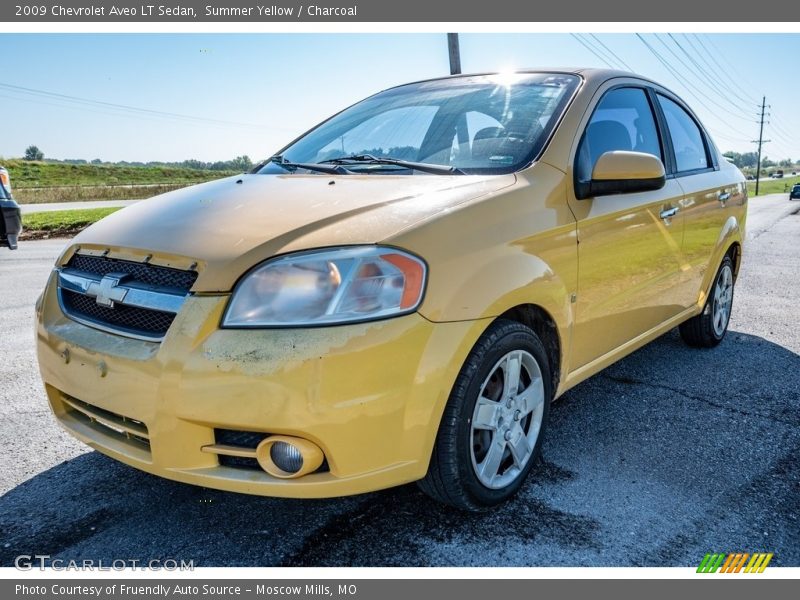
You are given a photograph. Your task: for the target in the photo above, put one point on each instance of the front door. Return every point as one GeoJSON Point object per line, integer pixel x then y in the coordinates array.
{"type": "Point", "coordinates": [630, 262]}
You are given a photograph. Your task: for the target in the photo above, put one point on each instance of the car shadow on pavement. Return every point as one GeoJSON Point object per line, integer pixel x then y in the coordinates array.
{"type": "Point", "coordinates": [666, 455]}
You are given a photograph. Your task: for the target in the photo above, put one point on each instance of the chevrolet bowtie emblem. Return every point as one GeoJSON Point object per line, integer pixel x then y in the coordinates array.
{"type": "Point", "coordinates": [107, 292]}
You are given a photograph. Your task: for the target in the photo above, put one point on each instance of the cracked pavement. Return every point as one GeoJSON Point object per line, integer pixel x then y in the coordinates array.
{"type": "Point", "coordinates": [666, 455]}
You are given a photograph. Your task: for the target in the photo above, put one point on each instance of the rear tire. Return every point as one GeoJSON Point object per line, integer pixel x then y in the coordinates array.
{"type": "Point", "coordinates": [707, 329]}
{"type": "Point", "coordinates": [494, 422]}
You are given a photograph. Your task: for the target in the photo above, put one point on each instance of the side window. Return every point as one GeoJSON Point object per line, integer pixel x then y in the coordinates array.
{"type": "Point", "coordinates": [687, 139]}
{"type": "Point", "coordinates": [623, 120]}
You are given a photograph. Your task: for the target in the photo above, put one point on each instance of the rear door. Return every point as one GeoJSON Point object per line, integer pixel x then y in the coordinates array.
{"type": "Point", "coordinates": [709, 198]}
{"type": "Point", "coordinates": [629, 252]}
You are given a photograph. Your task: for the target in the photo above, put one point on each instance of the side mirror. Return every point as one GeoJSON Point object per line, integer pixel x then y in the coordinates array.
{"type": "Point", "coordinates": [622, 172]}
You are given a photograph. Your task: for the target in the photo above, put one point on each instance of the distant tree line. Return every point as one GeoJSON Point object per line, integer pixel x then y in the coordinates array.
{"type": "Point", "coordinates": [749, 160]}
{"type": "Point", "coordinates": [240, 163]}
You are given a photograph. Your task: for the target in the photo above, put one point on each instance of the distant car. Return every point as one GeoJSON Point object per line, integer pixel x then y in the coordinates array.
{"type": "Point", "coordinates": [751, 178]}
{"type": "Point", "coordinates": [795, 193]}
{"type": "Point", "coordinates": [10, 218]}
{"type": "Point", "coordinates": [777, 175]}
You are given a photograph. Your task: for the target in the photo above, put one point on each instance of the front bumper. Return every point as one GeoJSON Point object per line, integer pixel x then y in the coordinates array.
{"type": "Point", "coordinates": [369, 395]}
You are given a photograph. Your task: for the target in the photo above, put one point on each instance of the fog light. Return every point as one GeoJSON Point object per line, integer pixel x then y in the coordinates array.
{"type": "Point", "coordinates": [286, 457]}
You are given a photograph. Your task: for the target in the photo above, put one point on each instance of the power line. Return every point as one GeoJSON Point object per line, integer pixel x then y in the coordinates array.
{"type": "Point", "coordinates": [67, 106]}
{"type": "Point", "coordinates": [705, 69]}
{"type": "Point", "coordinates": [679, 78]}
{"type": "Point", "coordinates": [791, 123]}
{"type": "Point", "coordinates": [729, 89]}
{"type": "Point", "coordinates": [738, 91]}
{"type": "Point", "coordinates": [724, 136]}
{"type": "Point", "coordinates": [611, 52]}
{"type": "Point", "coordinates": [717, 66]}
{"type": "Point", "coordinates": [779, 146]}
{"type": "Point", "coordinates": [780, 135]}
{"type": "Point", "coordinates": [724, 57]}
{"type": "Point", "coordinates": [600, 50]}
{"type": "Point", "coordinates": [124, 108]}
{"type": "Point", "coordinates": [705, 82]}
{"type": "Point", "coordinates": [781, 131]}
{"type": "Point", "coordinates": [782, 151]}
{"type": "Point", "coordinates": [118, 115]}
{"type": "Point", "coordinates": [592, 50]}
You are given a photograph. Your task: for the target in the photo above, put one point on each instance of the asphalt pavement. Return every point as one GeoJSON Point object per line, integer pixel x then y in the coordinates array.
{"type": "Point", "coordinates": [667, 455]}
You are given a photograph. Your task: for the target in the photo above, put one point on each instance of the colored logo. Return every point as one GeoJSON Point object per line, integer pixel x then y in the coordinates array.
{"type": "Point", "coordinates": [735, 562]}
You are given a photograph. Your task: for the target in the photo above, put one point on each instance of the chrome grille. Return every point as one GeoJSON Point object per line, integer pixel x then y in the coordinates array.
{"type": "Point", "coordinates": [143, 272]}
{"type": "Point", "coordinates": [137, 300]}
{"type": "Point", "coordinates": [129, 319]}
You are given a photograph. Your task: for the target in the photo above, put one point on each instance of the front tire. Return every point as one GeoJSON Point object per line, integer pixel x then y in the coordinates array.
{"type": "Point", "coordinates": [492, 428]}
{"type": "Point", "coordinates": [707, 329]}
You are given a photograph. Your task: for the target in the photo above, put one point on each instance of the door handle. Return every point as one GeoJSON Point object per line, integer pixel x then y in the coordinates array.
{"type": "Point", "coordinates": [668, 213]}
{"type": "Point", "coordinates": [724, 196]}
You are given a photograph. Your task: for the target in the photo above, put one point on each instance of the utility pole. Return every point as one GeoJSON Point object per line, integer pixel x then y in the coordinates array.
{"type": "Point", "coordinates": [761, 141]}
{"type": "Point", "coordinates": [455, 53]}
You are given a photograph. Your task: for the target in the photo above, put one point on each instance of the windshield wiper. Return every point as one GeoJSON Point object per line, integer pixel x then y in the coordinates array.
{"type": "Point", "coordinates": [407, 164]}
{"type": "Point", "coordinates": [322, 168]}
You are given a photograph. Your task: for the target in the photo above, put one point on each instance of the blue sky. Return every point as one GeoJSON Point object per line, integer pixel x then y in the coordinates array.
{"type": "Point", "coordinates": [252, 93]}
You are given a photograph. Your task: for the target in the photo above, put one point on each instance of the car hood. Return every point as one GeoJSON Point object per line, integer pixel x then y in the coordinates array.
{"type": "Point", "coordinates": [229, 225]}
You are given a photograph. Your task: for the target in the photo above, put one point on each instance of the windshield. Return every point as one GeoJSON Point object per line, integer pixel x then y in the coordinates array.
{"type": "Point", "coordinates": [488, 124]}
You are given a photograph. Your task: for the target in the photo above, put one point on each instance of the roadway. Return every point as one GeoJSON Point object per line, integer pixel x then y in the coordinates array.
{"type": "Point", "coordinates": [667, 455]}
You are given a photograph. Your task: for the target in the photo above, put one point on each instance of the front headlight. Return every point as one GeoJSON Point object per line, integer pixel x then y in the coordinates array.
{"type": "Point", "coordinates": [328, 286]}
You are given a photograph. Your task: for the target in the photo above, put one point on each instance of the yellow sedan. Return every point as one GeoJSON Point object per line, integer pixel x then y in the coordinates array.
{"type": "Point", "coordinates": [399, 294]}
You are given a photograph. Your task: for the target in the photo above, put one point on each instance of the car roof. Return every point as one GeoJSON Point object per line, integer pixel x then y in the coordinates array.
{"type": "Point", "coordinates": [589, 74]}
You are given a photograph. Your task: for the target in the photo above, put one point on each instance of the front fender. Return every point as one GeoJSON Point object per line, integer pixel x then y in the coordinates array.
{"type": "Point", "coordinates": [500, 281]}
{"type": "Point", "coordinates": [514, 247]}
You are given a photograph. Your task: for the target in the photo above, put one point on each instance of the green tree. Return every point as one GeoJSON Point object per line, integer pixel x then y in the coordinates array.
{"type": "Point", "coordinates": [242, 163]}
{"type": "Point", "coordinates": [747, 159]}
{"type": "Point", "coordinates": [33, 153]}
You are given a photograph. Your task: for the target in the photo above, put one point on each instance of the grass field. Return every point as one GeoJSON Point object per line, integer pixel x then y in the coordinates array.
{"type": "Point", "coordinates": [37, 182]}
{"type": "Point", "coordinates": [26, 174]}
{"type": "Point", "coordinates": [61, 223]}
{"type": "Point", "coordinates": [85, 193]}
{"type": "Point", "coordinates": [772, 186]}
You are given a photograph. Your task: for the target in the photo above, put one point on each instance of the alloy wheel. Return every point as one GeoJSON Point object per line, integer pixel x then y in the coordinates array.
{"type": "Point", "coordinates": [723, 298]}
{"type": "Point", "coordinates": [507, 419]}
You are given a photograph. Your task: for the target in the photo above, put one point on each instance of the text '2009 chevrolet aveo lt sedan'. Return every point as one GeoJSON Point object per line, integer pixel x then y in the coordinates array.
{"type": "Point", "coordinates": [400, 293]}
